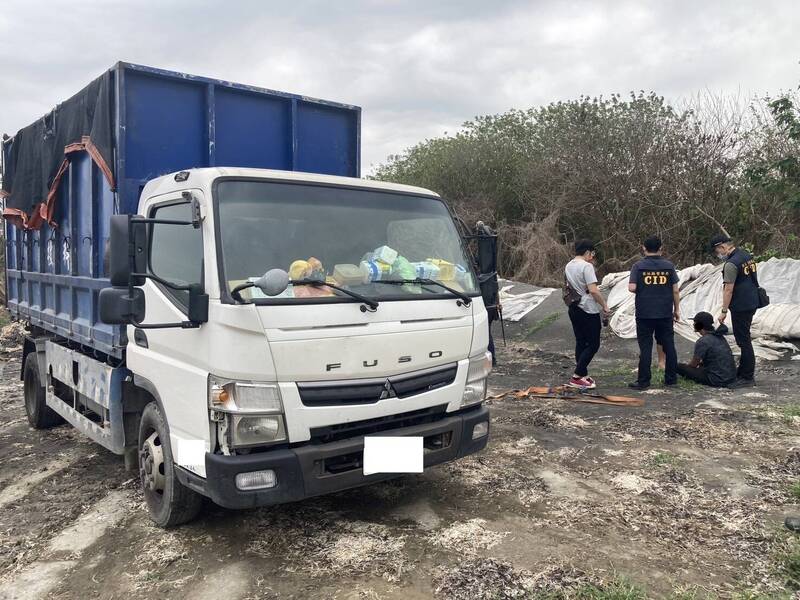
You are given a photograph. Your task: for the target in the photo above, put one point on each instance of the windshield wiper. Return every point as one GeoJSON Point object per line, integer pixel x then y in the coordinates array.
{"type": "Point", "coordinates": [373, 304]}
{"type": "Point", "coordinates": [460, 295]}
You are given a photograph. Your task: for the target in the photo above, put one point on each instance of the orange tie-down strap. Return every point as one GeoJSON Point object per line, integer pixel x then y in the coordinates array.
{"type": "Point", "coordinates": [563, 392]}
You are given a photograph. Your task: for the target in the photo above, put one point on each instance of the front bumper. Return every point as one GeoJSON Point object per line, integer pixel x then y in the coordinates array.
{"type": "Point", "coordinates": [316, 469]}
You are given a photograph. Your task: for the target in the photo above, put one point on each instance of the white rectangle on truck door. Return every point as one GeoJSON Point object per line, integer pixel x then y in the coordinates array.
{"type": "Point", "coordinates": [392, 455]}
{"type": "Point", "coordinates": [191, 454]}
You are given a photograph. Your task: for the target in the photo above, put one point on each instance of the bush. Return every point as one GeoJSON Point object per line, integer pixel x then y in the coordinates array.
{"type": "Point", "coordinates": [616, 170]}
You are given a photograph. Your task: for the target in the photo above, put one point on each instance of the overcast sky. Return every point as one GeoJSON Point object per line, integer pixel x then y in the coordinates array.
{"type": "Point", "coordinates": [418, 69]}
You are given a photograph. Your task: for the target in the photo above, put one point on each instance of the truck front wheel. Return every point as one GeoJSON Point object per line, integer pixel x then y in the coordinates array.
{"type": "Point", "coordinates": [40, 416]}
{"type": "Point", "coordinates": [168, 501]}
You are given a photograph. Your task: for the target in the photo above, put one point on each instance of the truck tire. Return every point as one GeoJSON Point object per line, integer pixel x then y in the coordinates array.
{"type": "Point", "coordinates": [40, 416]}
{"type": "Point", "coordinates": [169, 502]}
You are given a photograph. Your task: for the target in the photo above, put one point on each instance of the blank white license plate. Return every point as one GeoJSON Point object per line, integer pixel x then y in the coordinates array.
{"type": "Point", "coordinates": [392, 455]}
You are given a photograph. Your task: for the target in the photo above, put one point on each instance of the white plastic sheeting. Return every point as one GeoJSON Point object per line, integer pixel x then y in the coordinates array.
{"type": "Point", "coordinates": [701, 290]}
{"type": "Point", "coordinates": [518, 304]}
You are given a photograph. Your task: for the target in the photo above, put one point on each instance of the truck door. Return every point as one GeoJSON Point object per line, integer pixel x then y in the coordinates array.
{"type": "Point", "coordinates": [175, 361]}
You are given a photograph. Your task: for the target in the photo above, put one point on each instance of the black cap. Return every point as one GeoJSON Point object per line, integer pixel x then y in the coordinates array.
{"type": "Point", "coordinates": [719, 239]}
{"type": "Point", "coordinates": [704, 320]}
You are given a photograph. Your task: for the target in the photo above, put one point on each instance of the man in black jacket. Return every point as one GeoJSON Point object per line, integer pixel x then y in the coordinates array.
{"type": "Point", "coordinates": [740, 298]}
{"type": "Point", "coordinates": [655, 283]}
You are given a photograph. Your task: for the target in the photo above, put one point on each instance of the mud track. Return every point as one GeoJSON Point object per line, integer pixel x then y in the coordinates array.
{"type": "Point", "coordinates": [685, 494]}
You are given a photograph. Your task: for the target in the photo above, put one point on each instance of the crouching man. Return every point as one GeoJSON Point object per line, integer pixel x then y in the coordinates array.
{"type": "Point", "coordinates": [713, 362]}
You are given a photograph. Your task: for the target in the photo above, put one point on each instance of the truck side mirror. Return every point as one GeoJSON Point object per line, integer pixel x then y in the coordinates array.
{"type": "Point", "coordinates": [124, 302]}
{"type": "Point", "coordinates": [127, 247]}
{"type": "Point", "coordinates": [487, 249]}
{"type": "Point", "coordinates": [118, 307]}
{"type": "Point", "coordinates": [198, 304]}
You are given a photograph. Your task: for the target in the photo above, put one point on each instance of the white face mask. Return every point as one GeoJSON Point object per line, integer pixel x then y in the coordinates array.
{"type": "Point", "coordinates": [721, 254]}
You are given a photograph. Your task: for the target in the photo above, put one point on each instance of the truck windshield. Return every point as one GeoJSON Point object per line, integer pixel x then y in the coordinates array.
{"type": "Point", "coordinates": [353, 238]}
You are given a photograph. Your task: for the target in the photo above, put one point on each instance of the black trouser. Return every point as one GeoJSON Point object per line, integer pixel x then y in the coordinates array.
{"type": "Point", "coordinates": [697, 374]}
{"type": "Point", "coordinates": [664, 334]}
{"type": "Point", "coordinates": [587, 327]}
{"type": "Point", "coordinates": [742, 321]}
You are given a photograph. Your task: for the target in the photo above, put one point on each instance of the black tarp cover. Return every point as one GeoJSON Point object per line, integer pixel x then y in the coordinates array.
{"type": "Point", "coordinates": [39, 153]}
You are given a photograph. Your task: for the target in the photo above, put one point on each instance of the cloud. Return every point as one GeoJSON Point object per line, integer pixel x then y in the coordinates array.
{"type": "Point", "coordinates": [418, 69]}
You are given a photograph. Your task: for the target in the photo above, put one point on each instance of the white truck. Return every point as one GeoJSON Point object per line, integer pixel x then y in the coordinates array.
{"type": "Point", "coordinates": [271, 321]}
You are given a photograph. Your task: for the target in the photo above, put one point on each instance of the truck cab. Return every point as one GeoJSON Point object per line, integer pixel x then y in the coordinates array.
{"type": "Point", "coordinates": [270, 398]}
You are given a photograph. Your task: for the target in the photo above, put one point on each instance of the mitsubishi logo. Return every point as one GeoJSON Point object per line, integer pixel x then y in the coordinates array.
{"type": "Point", "coordinates": [387, 390]}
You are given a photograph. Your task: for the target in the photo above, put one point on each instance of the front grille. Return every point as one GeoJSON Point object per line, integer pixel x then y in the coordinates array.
{"type": "Point", "coordinates": [343, 431]}
{"type": "Point", "coordinates": [411, 385]}
{"type": "Point", "coordinates": [352, 393]}
{"type": "Point", "coordinates": [370, 391]}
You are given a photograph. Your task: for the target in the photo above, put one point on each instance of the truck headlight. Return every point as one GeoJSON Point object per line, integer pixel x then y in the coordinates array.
{"type": "Point", "coordinates": [479, 368]}
{"type": "Point", "coordinates": [247, 413]}
{"type": "Point", "coordinates": [252, 430]}
{"type": "Point", "coordinates": [225, 395]}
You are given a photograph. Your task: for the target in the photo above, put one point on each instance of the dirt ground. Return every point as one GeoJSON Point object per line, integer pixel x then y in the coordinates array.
{"type": "Point", "coordinates": [684, 497]}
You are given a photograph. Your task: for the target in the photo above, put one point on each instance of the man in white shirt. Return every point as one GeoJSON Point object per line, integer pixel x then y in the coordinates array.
{"type": "Point", "coordinates": [587, 313]}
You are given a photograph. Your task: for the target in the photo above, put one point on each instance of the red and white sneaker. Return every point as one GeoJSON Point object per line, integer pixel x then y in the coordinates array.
{"type": "Point", "coordinates": [583, 383]}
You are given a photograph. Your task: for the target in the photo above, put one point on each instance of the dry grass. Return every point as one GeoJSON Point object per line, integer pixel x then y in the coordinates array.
{"type": "Point", "coordinates": [318, 542]}
{"type": "Point", "coordinates": [11, 337]}
{"type": "Point", "coordinates": [156, 562]}
{"type": "Point", "coordinates": [654, 485]}
{"type": "Point", "coordinates": [492, 579]}
{"type": "Point", "coordinates": [482, 579]}
{"type": "Point", "coordinates": [535, 252]}
{"type": "Point", "coordinates": [467, 538]}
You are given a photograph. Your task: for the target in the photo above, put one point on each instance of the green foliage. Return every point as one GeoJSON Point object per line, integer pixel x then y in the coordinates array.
{"type": "Point", "coordinates": [664, 459]}
{"type": "Point", "coordinates": [779, 174]}
{"type": "Point", "coordinates": [683, 383]}
{"type": "Point", "coordinates": [614, 169]}
{"type": "Point", "coordinates": [541, 324]}
{"type": "Point", "coordinates": [787, 560]}
{"type": "Point", "coordinates": [618, 589]}
{"type": "Point", "coordinates": [794, 490]}
{"type": "Point", "coordinates": [621, 370]}
{"type": "Point", "coordinates": [691, 593]}
{"type": "Point", "coordinates": [767, 253]}
{"type": "Point", "coordinates": [789, 411]}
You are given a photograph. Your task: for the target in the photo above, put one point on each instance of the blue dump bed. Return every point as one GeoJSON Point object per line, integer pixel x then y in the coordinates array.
{"type": "Point", "coordinates": [161, 122]}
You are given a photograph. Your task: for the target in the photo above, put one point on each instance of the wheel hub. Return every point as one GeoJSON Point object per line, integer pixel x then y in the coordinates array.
{"type": "Point", "coordinates": [151, 464]}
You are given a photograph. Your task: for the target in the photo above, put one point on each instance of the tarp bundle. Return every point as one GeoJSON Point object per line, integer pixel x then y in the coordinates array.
{"type": "Point", "coordinates": [701, 290]}
{"type": "Point", "coordinates": [39, 154]}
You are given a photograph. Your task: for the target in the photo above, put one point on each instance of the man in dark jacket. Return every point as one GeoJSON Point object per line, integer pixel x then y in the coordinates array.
{"type": "Point", "coordinates": [740, 298]}
{"type": "Point", "coordinates": [655, 283]}
{"type": "Point", "coordinates": [712, 363]}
